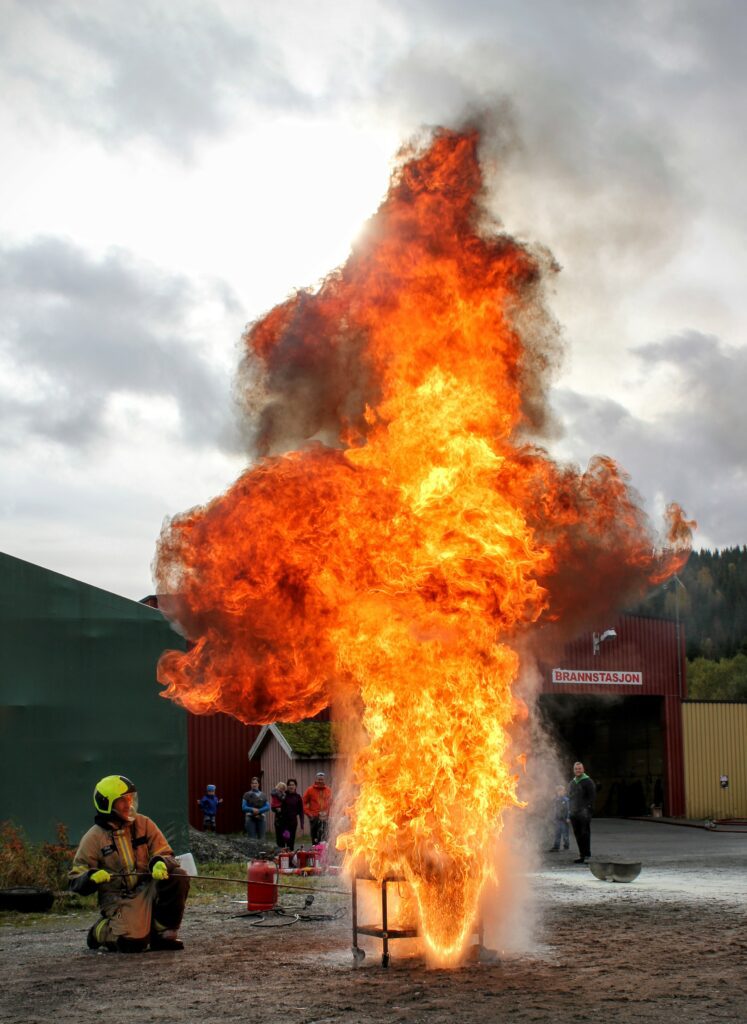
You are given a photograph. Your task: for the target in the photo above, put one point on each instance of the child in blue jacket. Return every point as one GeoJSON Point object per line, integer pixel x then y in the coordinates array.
{"type": "Point", "coordinates": [209, 805]}
{"type": "Point", "coordinates": [561, 820]}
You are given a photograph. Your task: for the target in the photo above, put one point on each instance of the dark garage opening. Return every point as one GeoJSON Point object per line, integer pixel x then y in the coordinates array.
{"type": "Point", "coordinates": [620, 741]}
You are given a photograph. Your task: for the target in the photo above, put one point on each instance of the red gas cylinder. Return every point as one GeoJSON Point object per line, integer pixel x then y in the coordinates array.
{"type": "Point", "coordinates": [261, 885]}
{"type": "Point", "coordinates": [305, 859]}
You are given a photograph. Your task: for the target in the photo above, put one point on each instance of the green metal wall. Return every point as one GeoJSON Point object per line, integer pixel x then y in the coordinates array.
{"type": "Point", "coordinates": [79, 700]}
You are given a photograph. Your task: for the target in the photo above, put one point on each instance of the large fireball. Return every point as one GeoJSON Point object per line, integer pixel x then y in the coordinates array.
{"type": "Point", "coordinates": [391, 564]}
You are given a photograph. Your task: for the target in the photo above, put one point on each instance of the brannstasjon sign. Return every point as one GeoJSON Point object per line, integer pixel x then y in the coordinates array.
{"type": "Point", "coordinates": [601, 677]}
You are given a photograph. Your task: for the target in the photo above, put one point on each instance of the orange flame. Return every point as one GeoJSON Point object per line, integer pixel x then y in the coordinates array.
{"type": "Point", "coordinates": [393, 568]}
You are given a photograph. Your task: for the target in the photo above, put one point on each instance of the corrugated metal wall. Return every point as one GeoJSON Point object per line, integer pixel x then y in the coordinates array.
{"type": "Point", "coordinates": [79, 700]}
{"type": "Point", "coordinates": [654, 647]}
{"type": "Point", "coordinates": [219, 748]}
{"type": "Point", "coordinates": [715, 744]}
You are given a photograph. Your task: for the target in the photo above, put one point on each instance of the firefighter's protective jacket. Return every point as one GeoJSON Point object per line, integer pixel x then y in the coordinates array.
{"type": "Point", "coordinates": [128, 853]}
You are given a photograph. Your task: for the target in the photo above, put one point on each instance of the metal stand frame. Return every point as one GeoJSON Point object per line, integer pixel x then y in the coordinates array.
{"type": "Point", "coordinates": [385, 933]}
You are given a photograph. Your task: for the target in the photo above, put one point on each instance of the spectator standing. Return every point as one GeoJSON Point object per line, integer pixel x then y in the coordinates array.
{"type": "Point", "coordinates": [277, 799]}
{"type": "Point", "coordinates": [290, 815]}
{"type": "Point", "coordinates": [581, 796]}
{"type": "Point", "coordinates": [317, 801]}
{"type": "Point", "coordinates": [561, 820]}
{"type": "Point", "coordinates": [255, 806]}
{"type": "Point", "coordinates": [209, 803]}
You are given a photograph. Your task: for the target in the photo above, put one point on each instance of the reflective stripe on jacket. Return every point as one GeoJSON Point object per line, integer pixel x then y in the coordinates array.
{"type": "Point", "coordinates": [129, 850]}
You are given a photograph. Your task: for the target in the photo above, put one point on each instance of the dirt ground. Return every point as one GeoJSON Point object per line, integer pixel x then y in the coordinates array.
{"type": "Point", "coordinates": [671, 946]}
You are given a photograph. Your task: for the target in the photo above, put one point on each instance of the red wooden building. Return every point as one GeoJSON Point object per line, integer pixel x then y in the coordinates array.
{"type": "Point", "coordinates": [613, 700]}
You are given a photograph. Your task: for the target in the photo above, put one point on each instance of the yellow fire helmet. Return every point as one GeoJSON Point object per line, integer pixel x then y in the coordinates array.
{"type": "Point", "coordinates": [111, 788]}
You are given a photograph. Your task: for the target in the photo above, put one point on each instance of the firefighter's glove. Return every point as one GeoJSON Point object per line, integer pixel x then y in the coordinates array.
{"type": "Point", "coordinates": [101, 876]}
{"type": "Point", "coordinates": [159, 871]}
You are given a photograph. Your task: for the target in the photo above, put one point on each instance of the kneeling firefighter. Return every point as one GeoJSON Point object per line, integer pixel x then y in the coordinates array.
{"type": "Point", "coordinates": [126, 860]}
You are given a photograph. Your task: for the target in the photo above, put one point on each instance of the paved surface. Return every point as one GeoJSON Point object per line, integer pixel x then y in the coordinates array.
{"type": "Point", "coordinates": [657, 842]}
{"type": "Point", "coordinates": [693, 865]}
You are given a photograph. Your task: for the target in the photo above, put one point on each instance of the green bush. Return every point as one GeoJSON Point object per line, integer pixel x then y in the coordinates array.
{"type": "Point", "coordinates": [44, 865]}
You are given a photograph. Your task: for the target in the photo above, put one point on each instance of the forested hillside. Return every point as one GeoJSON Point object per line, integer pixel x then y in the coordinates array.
{"type": "Point", "coordinates": [710, 596]}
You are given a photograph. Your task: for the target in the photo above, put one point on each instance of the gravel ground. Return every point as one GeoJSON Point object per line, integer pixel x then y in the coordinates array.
{"type": "Point", "coordinates": [210, 846]}
{"type": "Point", "coordinates": [671, 946]}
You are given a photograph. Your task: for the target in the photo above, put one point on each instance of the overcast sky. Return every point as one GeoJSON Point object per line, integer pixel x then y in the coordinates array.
{"type": "Point", "coordinates": [172, 171]}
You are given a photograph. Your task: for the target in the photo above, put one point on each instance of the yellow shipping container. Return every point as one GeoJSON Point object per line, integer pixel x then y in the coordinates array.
{"type": "Point", "coordinates": [715, 746]}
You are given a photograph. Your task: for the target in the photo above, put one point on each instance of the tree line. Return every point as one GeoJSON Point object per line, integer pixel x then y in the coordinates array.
{"type": "Point", "coordinates": [709, 598]}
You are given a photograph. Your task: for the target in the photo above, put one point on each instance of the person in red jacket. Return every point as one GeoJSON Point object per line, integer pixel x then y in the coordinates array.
{"type": "Point", "coordinates": [317, 801]}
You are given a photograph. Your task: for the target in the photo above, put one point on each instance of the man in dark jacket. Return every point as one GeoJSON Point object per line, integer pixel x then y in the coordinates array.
{"type": "Point", "coordinates": [255, 806]}
{"type": "Point", "coordinates": [290, 814]}
{"type": "Point", "coordinates": [581, 796]}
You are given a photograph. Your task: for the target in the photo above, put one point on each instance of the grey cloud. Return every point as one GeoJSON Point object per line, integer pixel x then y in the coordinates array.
{"type": "Point", "coordinates": [76, 330]}
{"type": "Point", "coordinates": [710, 391]}
{"type": "Point", "coordinates": [611, 97]}
{"type": "Point", "coordinates": [691, 450]}
{"type": "Point", "coordinates": [170, 72]}
{"type": "Point", "coordinates": [619, 109]}
{"type": "Point", "coordinates": [55, 417]}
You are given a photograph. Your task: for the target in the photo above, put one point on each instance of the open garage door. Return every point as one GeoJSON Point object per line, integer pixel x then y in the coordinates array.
{"type": "Point", "coordinates": [620, 740]}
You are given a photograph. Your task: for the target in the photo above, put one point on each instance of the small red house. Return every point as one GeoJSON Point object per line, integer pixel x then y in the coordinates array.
{"type": "Point", "coordinates": [296, 750]}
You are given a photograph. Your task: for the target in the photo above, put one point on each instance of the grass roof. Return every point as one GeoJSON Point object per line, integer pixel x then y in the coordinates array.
{"type": "Point", "coordinates": [309, 739]}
